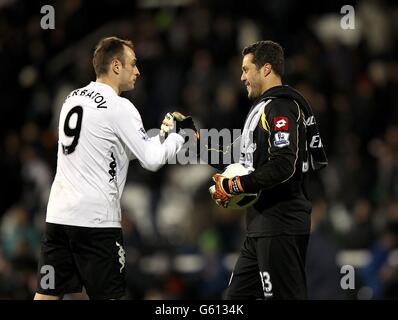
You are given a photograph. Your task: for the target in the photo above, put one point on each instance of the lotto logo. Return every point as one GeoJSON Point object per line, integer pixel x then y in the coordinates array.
{"type": "Point", "coordinates": [281, 123]}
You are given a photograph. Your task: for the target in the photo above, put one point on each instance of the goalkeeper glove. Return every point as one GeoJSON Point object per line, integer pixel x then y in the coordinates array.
{"type": "Point", "coordinates": [226, 188]}
{"type": "Point", "coordinates": [184, 122]}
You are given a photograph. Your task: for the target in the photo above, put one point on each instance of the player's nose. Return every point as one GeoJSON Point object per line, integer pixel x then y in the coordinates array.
{"type": "Point", "coordinates": [137, 72]}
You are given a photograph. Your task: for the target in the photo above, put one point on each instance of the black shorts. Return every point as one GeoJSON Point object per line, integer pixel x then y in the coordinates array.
{"type": "Point", "coordinates": [72, 257]}
{"type": "Point", "coordinates": [270, 268]}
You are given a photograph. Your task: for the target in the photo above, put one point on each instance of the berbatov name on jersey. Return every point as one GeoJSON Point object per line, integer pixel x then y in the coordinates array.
{"type": "Point", "coordinates": [95, 96]}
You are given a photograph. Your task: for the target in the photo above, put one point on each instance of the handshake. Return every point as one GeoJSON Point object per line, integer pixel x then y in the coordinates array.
{"type": "Point", "coordinates": [179, 122]}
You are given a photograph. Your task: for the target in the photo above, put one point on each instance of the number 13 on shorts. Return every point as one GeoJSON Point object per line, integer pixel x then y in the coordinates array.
{"type": "Point", "coordinates": [266, 284]}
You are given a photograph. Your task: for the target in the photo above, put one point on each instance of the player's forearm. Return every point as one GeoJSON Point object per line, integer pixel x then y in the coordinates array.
{"type": "Point", "coordinates": [157, 154]}
{"type": "Point", "coordinates": [274, 172]}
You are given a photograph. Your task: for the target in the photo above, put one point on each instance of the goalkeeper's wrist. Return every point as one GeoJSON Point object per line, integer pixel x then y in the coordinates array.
{"type": "Point", "coordinates": [249, 183]}
{"type": "Point", "coordinates": [233, 185]}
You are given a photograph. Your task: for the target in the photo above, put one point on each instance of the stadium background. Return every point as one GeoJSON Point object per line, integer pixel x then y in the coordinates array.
{"type": "Point", "coordinates": [179, 244]}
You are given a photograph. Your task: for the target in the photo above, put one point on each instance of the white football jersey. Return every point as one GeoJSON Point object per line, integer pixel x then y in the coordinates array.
{"type": "Point", "coordinates": [99, 133]}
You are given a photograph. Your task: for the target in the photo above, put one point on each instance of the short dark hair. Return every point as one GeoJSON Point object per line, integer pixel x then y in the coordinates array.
{"type": "Point", "coordinates": [267, 52]}
{"type": "Point", "coordinates": [106, 50]}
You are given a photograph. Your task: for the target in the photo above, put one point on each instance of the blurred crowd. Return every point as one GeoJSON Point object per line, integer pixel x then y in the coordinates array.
{"type": "Point", "coordinates": [179, 244]}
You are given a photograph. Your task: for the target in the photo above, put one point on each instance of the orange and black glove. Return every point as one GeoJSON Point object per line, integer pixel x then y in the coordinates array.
{"type": "Point", "coordinates": [226, 188]}
{"type": "Point", "coordinates": [184, 122]}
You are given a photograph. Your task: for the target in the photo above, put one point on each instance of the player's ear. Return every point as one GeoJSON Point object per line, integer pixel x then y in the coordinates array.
{"type": "Point", "coordinates": [266, 69]}
{"type": "Point", "coordinates": [115, 66]}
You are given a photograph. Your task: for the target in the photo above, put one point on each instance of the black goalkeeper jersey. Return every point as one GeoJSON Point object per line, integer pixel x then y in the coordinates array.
{"type": "Point", "coordinates": [280, 162]}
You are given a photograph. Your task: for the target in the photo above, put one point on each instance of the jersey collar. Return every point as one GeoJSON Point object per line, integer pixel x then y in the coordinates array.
{"type": "Point", "coordinates": [103, 86]}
